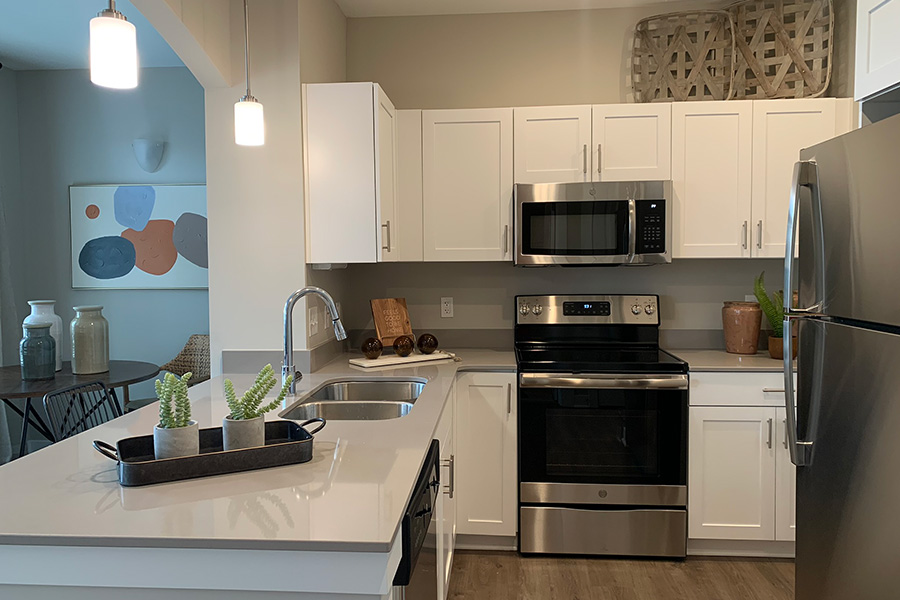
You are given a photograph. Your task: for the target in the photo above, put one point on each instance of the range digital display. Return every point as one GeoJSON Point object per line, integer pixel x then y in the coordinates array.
{"type": "Point", "coordinates": [592, 309]}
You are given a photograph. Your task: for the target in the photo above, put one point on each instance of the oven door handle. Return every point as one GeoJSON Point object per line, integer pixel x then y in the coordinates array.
{"type": "Point", "coordinates": [603, 381]}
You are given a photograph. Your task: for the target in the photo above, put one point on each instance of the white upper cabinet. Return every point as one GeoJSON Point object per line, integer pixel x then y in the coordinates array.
{"type": "Point", "coordinates": [632, 142]}
{"type": "Point", "coordinates": [552, 144]}
{"type": "Point", "coordinates": [877, 47]}
{"type": "Point", "coordinates": [781, 128]}
{"type": "Point", "coordinates": [467, 177]}
{"type": "Point", "coordinates": [349, 132]}
{"type": "Point", "coordinates": [711, 173]}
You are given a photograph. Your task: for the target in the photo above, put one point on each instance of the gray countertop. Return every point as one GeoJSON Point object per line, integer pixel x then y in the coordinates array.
{"type": "Point", "coordinates": [719, 360]}
{"type": "Point", "coordinates": [350, 497]}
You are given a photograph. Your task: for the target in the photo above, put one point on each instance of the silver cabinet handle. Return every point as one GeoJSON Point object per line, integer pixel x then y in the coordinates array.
{"type": "Point", "coordinates": [773, 391]}
{"type": "Point", "coordinates": [759, 235]}
{"type": "Point", "coordinates": [769, 437]}
{"type": "Point", "coordinates": [386, 238]}
{"type": "Point", "coordinates": [508, 398]}
{"type": "Point", "coordinates": [584, 160]}
{"type": "Point", "coordinates": [506, 239]}
{"type": "Point", "coordinates": [784, 426]}
{"type": "Point", "coordinates": [599, 160]}
{"type": "Point", "coordinates": [451, 465]}
{"type": "Point", "coordinates": [744, 235]}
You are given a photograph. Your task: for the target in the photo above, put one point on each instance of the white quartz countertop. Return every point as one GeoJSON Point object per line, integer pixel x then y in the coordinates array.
{"type": "Point", "coordinates": [349, 497]}
{"type": "Point", "coordinates": [719, 360]}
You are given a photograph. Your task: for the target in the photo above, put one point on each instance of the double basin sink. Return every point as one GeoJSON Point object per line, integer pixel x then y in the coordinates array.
{"type": "Point", "coordinates": [357, 400]}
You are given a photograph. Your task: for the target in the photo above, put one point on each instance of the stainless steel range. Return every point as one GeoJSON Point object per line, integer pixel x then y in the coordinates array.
{"type": "Point", "coordinates": [602, 428]}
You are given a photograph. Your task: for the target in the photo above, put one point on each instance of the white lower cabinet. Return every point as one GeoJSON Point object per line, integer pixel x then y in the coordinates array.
{"type": "Point", "coordinates": [445, 509]}
{"type": "Point", "coordinates": [741, 482]}
{"type": "Point", "coordinates": [486, 461]}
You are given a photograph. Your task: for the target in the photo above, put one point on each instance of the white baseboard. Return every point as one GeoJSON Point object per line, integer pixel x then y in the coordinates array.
{"type": "Point", "coordinates": [743, 548]}
{"type": "Point", "coordinates": [497, 543]}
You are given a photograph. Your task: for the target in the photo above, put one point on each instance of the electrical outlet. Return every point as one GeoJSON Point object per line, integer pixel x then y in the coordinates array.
{"type": "Point", "coordinates": [749, 298]}
{"type": "Point", "coordinates": [313, 320]}
{"type": "Point", "coordinates": [446, 308]}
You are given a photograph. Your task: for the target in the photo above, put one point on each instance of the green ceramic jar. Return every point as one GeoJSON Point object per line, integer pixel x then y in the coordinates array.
{"type": "Point", "coordinates": [37, 352]}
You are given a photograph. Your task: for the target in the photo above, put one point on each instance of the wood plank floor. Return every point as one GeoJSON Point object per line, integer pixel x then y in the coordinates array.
{"type": "Point", "coordinates": [509, 576]}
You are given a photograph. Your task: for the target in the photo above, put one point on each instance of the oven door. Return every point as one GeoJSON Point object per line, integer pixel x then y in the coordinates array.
{"type": "Point", "coordinates": [575, 232]}
{"type": "Point", "coordinates": [625, 434]}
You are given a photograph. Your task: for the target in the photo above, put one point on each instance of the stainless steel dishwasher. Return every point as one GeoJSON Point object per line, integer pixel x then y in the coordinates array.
{"type": "Point", "coordinates": [416, 577]}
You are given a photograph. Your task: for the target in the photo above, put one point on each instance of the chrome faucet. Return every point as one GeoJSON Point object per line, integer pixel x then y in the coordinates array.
{"type": "Point", "coordinates": [287, 367]}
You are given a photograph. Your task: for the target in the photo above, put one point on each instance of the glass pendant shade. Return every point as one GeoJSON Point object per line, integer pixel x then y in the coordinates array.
{"type": "Point", "coordinates": [249, 126]}
{"type": "Point", "coordinates": [114, 61]}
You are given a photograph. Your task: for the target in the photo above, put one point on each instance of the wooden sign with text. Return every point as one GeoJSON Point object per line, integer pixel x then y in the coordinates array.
{"type": "Point", "coordinates": [391, 320]}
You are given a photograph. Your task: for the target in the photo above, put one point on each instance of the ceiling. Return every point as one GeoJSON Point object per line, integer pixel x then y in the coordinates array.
{"type": "Point", "coordinates": [396, 8]}
{"type": "Point", "coordinates": [53, 34]}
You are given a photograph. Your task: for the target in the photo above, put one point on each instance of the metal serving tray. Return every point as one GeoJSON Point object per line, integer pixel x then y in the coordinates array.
{"type": "Point", "coordinates": [287, 443]}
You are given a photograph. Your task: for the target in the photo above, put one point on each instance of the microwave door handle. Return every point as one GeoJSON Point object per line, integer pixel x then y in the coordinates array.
{"type": "Point", "coordinates": [632, 230]}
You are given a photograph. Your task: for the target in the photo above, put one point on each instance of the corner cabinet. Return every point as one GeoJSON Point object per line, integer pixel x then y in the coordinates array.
{"type": "Point", "coordinates": [877, 47]}
{"type": "Point", "coordinates": [467, 180]}
{"type": "Point", "coordinates": [741, 480]}
{"type": "Point", "coordinates": [349, 134]}
{"type": "Point", "coordinates": [732, 164]}
{"type": "Point", "coordinates": [486, 454]}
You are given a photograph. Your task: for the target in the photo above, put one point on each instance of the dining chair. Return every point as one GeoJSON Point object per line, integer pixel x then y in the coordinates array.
{"type": "Point", "coordinates": [78, 408]}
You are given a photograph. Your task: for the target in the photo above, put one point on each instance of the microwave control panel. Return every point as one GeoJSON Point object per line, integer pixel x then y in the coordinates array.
{"type": "Point", "coordinates": [651, 226]}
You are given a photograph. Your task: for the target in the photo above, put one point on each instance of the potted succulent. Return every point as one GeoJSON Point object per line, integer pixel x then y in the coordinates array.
{"type": "Point", "coordinates": [245, 427]}
{"type": "Point", "coordinates": [176, 434]}
{"type": "Point", "coordinates": [773, 308]}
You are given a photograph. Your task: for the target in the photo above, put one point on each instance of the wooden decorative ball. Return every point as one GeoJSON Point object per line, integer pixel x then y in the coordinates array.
{"type": "Point", "coordinates": [403, 345]}
{"type": "Point", "coordinates": [372, 348]}
{"type": "Point", "coordinates": [427, 343]}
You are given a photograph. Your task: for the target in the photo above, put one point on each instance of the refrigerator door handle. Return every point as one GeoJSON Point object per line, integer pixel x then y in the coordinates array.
{"type": "Point", "coordinates": [800, 451]}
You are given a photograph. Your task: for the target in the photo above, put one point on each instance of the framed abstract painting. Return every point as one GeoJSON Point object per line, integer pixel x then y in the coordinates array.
{"type": "Point", "coordinates": [139, 236]}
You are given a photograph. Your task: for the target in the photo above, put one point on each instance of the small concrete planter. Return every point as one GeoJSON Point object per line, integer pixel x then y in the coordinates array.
{"type": "Point", "coordinates": [176, 442]}
{"type": "Point", "coordinates": [244, 433]}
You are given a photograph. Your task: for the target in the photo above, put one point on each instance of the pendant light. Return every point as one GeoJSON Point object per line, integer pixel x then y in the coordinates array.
{"type": "Point", "coordinates": [114, 60]}
{"type": "Point", "coordinates": [249, 125]}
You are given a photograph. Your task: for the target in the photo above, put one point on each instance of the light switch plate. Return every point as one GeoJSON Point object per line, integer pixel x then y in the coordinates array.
{"type": "Point", "coordinates": [313, 320]}
{"type": "Point", "coordinates": [446, 308]}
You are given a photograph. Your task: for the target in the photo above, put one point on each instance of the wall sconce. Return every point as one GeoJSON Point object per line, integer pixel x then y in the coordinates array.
{"type": "Point", "coordinates": [148, 153]}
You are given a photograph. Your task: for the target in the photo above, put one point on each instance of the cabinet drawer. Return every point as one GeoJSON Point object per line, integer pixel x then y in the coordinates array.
{"type": "Point", "coordinates": [737, 389]}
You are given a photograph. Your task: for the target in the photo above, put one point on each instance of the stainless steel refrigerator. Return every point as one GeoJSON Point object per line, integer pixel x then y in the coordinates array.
{"type": "Point", "coordinates": [845, 439]}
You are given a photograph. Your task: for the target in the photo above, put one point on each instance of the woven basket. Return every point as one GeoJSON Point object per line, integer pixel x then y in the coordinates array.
{"type": "Point", "coordinates": [784, 48]}
{"type": "Point", "coordinates": [683, 56]}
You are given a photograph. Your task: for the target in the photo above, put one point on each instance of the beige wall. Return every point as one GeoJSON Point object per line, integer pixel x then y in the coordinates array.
{"type": "Point", "coordinates": [510, 59]}
{"type": "Point", "coordinates": [323, 42]}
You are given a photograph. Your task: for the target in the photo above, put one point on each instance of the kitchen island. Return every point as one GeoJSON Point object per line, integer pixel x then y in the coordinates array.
{"type": "Point", "coordinates": [324, 529]}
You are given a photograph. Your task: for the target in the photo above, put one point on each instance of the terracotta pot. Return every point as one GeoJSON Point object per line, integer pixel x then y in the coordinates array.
{"type": "Point", "coordinates": [741, 321]}
{"type": "Point", "coordinates": [776, 347]}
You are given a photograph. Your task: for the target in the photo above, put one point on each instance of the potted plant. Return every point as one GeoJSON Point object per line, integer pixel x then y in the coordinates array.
{"type": "Point", "coordinates": [176, 434]}
{"type": "Point", "coordinates": [773, 308]}
{"type": "Point", "coordinates": [245, 427]}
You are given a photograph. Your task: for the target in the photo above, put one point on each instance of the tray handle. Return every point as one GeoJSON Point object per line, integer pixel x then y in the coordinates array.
{"type": "Point", "coordinates": [319, 420]}
{"type": "Point", "coordinates": [108, 451]}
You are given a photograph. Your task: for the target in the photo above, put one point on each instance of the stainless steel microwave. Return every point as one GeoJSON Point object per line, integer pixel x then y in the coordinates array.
{"type": "Point", "coordinates": [600, 223]}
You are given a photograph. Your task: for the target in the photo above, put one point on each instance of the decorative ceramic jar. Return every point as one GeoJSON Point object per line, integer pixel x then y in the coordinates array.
{"type": "Point", "coordinates": [741, 322]}
{"type": "Point", "coordinates": [44, 311]}
{"type": "Point", "coordinates": [37, 352]}
{"type": "Point", "coordinates": [177, 441]}
{"type": "Point", "coordinates": [243, 433]}
{"type": "Point", "coordinates": [90, 341]}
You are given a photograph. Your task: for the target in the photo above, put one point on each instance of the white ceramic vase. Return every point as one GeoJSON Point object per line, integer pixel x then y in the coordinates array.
{"type": "Point", "coordinates": [238, 434]}
{"type": "Point", "coordinates": [44, 311]}
{"type": "Point", "coordinates": [176, 442]}
{"type": "Point", "coordinates": [90, 341]}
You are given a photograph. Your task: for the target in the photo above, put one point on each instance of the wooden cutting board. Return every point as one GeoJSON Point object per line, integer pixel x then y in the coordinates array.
{"type": "Point", "coordinates": [392, 360]}
{"type": "Point", "coordinates": [391, 320]}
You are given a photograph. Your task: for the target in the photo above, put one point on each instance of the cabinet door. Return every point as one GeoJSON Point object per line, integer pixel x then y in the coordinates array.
{"type": "Point", "coordinates": [731, 482]}
{"type": "Point", "coordinates": [386, 167]}
{"type": "Point", "coordinates": [486, 475]}
{"type": "Point", "coordinates": [711, 168]}
{"type": "Point", "coordinates": [877, 46]}
{"type": "Point", "coordinates": [341, 176]}
{"type": "Point", "coordinates": [632, 142]}
{"type": "Point", "coordinates": [785, 483]}
{"type": "Point", "coordinates": [467, 175]}
{"type": "Point", "coordinates": [781, 128]}
{"type": "Point", "coordinates": [552, 144]}
{"type": "Point", "coordinates": [446, 503]}
{"type": "Point", "coordinates": [408, 232]}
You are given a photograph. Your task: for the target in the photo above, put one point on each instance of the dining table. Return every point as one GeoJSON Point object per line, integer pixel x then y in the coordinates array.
{"type": "Point", "coordinates": [121, 374]}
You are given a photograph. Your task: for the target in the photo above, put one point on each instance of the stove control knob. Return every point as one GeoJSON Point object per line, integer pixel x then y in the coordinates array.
{"type": "Point", "coordinates": [523, 310]}
{"type": "Point", "coordinates": [635, 310]}
{"type": "Point", "coordinates": [649, 309]}
{"type": "Point", "coordinates": [537, 309]}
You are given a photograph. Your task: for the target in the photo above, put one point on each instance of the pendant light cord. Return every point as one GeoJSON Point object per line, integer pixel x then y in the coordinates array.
{"type": "Point", "coordinates": [247, 47]}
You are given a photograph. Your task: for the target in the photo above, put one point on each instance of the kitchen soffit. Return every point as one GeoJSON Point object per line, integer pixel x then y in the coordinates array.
{"type": "Point", "coordinates": [398, 8]}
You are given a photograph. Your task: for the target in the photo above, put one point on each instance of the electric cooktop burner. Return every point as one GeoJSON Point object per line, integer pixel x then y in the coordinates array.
{"type": "Point", "coordinates": [599, 360]}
